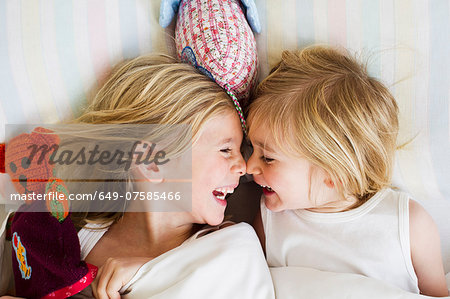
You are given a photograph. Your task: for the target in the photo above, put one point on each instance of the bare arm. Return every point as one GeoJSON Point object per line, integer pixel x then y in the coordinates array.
{"type": "Point", "coordinates": [259, 229]}
{"type": "Point", "coordinates": [426, 252]}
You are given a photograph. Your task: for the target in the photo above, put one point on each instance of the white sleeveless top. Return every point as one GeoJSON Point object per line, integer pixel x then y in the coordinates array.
{"type": "Point", "coordinates": [372, 240]}
{"type": "Point", "coordinates": [89, 235]}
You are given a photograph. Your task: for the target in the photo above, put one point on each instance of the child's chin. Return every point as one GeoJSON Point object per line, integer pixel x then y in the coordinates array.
{"type": "Point", "coordinates": [216, 221]}
{"type": "Point", "coordinates": [276, 206]}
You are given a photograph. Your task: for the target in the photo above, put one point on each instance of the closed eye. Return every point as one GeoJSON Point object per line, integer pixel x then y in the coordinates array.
{"type": "Point", "coordinates": [267, 159]}
{"type": "Point", "coordinates": [226, 150]}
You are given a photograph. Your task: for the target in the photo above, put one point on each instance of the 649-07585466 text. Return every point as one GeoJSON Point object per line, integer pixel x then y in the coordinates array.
{"type": "Point", "coordinates": [132, 195]}
{"type": "Point", "coordinates": [135, 195]}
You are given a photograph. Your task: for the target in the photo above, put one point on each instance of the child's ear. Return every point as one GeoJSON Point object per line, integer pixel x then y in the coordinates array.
{"type": "Point", "coordinates": [150, 172]}
{"type": "Point", "coordinates": [329, 182]}
{"type": "Point", "coordinates": [144, 164]}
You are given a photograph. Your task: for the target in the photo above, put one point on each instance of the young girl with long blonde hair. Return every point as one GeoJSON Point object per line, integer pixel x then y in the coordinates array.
{"type": "Point", "coordinates": [123, 234]}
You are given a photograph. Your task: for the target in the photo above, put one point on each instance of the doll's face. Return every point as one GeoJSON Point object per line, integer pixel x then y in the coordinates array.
{"type": "Point", "coordinates": [26, 160]}
{"type": "Point", "coordinates": [19, 174]}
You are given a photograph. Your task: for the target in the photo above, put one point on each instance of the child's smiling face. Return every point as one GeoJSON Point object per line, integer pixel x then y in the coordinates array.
{"type": "Point", "coordinates": [217, 166]}
{"type": "Point", "coordinates": [288, 183]}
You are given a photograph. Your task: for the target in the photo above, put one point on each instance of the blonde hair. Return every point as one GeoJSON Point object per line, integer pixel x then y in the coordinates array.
{"type": "Point", "coordinates": [157, 89]}
{"type": "Point", "coordinates": [152, 89]}
{"type": "Point", "coordinates": [321, 104]}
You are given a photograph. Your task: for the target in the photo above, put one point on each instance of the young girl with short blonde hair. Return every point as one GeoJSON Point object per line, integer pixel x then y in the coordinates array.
{"type": "Point", "coordinates": [324, 135]}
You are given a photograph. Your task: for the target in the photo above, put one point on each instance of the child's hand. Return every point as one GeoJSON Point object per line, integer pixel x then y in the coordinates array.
{"type": "Point", "coordinates": [114, 274]}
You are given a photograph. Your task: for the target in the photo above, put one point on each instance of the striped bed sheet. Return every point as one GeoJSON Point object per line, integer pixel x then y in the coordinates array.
{"type": "Point", "coordinates": [54, 53]}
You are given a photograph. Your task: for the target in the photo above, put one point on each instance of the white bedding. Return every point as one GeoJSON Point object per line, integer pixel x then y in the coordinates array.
{"type": "Point", "coordinates": [53, 52]}
{"type": "Point", "coordinates": [300, 282]}
{"type": "Point", "coordinates": [228, 263]}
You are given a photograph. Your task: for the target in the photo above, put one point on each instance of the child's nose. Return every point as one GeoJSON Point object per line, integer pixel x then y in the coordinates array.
{"type": "Point", "coordinates": [252, 165]}
{"type": "Point", "coordinates": [239, 166]}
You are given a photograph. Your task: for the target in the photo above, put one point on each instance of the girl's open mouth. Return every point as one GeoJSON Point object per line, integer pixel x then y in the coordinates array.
{"type": "Point", "coordinates": [220, 194]}
{"type": "Point", "coordinates": [267, 190]}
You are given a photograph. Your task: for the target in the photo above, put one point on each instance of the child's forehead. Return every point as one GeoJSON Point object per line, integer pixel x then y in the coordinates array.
{"type": "Point", "coordinates": [223, 128]}
{"type": "Point", "coordinates": [273, 140]}
{"type": "Point", "coordinates": [261, 136]}
{"type": "Point", "coordinates": [258, 129]}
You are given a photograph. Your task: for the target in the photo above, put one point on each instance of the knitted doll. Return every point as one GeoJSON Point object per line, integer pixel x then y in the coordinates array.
{"type": "Point", "coordinates": [214, 37]}
{"type": "Point", "coordinates": [45, 247]}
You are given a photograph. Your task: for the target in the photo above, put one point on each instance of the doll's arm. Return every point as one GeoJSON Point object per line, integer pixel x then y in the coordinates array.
{"type": "Point", "coordinates": [426, 252]}
{"type": "Point", "coordinates": [252, 15]}
{"type": "Point", "coordinates": [114, 274]}
{"type": "Point", "coordinates": [167, 11]}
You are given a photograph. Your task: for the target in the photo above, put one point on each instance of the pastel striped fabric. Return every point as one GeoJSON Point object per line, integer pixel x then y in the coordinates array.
{"type": "Point", "coordinates": [53, 53]}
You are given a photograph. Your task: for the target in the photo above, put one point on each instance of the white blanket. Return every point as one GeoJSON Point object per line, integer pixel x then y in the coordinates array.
{"type": "Point", "coordinates": [300, 282]}
{"type": "Point", "coordinates": [227, 263]}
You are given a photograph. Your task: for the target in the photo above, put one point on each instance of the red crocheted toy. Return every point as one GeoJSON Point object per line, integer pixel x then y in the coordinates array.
{"type": "Point", "coordinates": [46, 250]}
